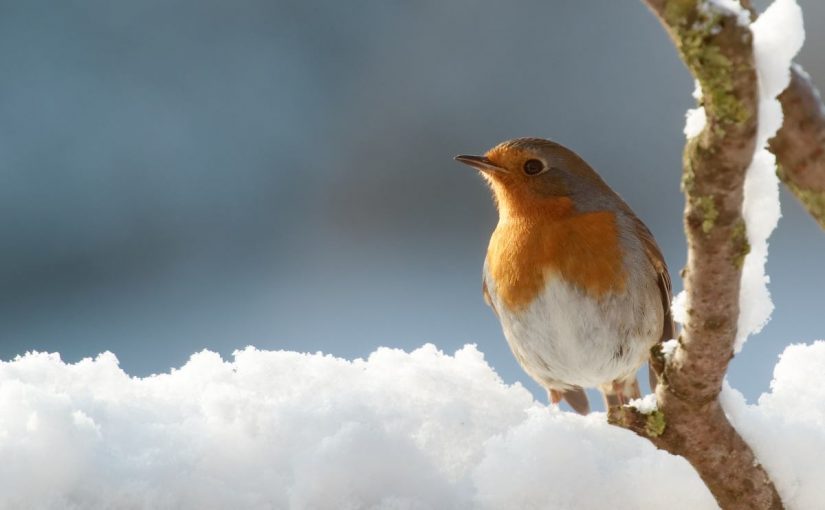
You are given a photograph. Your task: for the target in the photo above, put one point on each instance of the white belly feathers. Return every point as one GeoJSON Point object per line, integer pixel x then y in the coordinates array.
{"type": "Point", "coordinates": [566, 338]}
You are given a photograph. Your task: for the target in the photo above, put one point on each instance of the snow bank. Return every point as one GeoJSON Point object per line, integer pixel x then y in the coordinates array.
{"type": "Point", "coordinates": [396, 431]}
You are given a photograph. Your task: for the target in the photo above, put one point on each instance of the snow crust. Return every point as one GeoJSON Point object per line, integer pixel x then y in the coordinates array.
{"type": "Point", "coordinates": [397, 430]}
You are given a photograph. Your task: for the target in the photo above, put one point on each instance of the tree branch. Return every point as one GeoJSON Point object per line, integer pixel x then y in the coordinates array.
{"type": "Point", "coordinates": [690, 421]}
{"type": "Point", "coordinates": [800, 145]}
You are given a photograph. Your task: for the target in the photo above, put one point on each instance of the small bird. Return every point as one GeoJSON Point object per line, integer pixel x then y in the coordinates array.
{"type": "Point", "coordinates": [576, 279]}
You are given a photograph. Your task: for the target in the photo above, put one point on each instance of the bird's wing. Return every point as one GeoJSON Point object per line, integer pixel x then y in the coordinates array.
{"type": "Point", "coordinates": [487, 298]}
{"type": "Point", "coordinates": [657, 260]}
{"type": "Point", "coordinates": [654, 255]}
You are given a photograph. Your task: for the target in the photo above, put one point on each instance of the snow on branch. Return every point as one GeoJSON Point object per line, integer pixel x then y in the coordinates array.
{"type": "Point", "coordinates": [778, 35]}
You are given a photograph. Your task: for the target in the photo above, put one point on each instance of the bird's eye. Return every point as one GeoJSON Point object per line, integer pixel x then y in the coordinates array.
{"type": "Point", "coordinates": [533, 167]}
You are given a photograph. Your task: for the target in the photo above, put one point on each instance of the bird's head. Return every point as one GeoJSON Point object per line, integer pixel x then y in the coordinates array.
{"type": "Point", "coordinates": [530, 175]}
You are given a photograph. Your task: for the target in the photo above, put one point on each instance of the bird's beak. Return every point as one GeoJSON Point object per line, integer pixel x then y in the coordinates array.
{"type": "Point", "coordinates": [481, 163]}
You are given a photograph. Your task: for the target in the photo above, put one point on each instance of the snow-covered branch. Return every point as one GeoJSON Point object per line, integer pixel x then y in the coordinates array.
{"type": "Point", "coordinates": [799, 145]}
{"type": "Point", "coordinates": [731, 209]}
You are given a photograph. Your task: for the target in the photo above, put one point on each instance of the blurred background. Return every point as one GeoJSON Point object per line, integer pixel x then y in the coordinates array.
{"type": "Point", "coordinates": [198, 174]}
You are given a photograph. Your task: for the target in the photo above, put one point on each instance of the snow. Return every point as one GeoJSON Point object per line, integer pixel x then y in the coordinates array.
{"type": "Point", "coordinates": [730, 7]}
{"type": "Point", "coordinates": [695, 120]}
{"type": "Point", "coordinates": [697, 90]}
{"type": "Point", "coordinates": [397, 430]}
{"type": "Point", "coordinates": [669, 347]}
{"type": "Point", "coordinates": [646, 404]}
{"type": "Point", "coordinates": [786, 428]}
{"type": "Point", "coordinates": [778, 35]}
{"type": "Point", "coordinates": [678, 308]}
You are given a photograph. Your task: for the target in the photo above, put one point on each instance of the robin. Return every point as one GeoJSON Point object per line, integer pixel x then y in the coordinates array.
{"type": "Point", "coordinates": [576, 279]}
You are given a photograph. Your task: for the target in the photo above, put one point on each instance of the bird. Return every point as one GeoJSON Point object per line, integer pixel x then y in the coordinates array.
{"type": "Point", "coordinates": [576, 279]}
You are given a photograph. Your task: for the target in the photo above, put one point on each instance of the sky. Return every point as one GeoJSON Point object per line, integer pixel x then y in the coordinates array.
{"type": "Point", "coordinates": [184, 175]}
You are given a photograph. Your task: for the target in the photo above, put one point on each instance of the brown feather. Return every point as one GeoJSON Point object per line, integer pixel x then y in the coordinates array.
{"type": "Point", "coordinates": [654, 254]}
{"type": "Point", "coordinates": [487, 298]}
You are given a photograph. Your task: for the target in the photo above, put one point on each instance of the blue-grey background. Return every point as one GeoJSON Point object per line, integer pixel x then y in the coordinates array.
{"type": "Point", "coordinates": [208, 174]}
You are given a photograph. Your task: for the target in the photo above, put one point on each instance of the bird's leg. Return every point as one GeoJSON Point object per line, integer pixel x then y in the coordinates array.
{"type": "Point", "coordinates": [611, 399]}
{"type": "Point", "coordinates": [620, 392]}
{"type": "Point", "coordinates": [575, 398]}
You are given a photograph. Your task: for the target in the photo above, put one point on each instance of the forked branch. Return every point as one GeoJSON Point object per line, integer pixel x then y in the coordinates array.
{"type": "Point", "coordinates": [690, 421]}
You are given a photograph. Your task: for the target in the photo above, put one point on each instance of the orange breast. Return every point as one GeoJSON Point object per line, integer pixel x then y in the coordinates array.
{"type": "Point", "coordinates": [583, 249]}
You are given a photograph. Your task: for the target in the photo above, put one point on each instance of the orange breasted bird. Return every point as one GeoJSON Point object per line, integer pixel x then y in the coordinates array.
{"type": "Point", "coordinates": [576, 279]}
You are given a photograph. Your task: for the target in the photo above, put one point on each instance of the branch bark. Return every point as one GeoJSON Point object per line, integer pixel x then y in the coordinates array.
{"type": "Point", "coordinates": [690, 421]}
{"type": "Point", "coordinates": [800, 145]}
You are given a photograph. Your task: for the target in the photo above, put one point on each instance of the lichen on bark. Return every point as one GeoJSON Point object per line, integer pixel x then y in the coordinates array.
{"type": "Point", "coordinates": [694, 31]}
{"type": "Point", "coordinates": [741, 246]}
{"type": "Point", "coordinates": [655, 424]}
{"type": "Point", "coordinates": [812, 200]}
{"type": "Point", "coordinates": [800, 144]}
{"type": "Point", "coordinates": [709, 213]}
